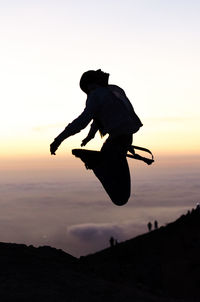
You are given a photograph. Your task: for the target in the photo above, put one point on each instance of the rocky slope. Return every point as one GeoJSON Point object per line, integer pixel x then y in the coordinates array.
{"type": "Point", "coordinates": [162, 265]}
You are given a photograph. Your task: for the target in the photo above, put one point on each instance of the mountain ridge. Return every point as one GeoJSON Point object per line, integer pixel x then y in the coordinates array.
{"type": "Point", "coordinates": [161, 265]}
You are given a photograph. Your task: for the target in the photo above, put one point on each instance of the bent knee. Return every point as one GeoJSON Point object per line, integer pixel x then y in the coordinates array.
{"type": "Point", "coordinates": [120, 201]}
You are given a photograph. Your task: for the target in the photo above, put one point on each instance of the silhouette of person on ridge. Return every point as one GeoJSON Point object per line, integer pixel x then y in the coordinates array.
{"type": "Point", "coordinates": [111, 112]}
{"type": "Point", "coordinates": [149, 225]}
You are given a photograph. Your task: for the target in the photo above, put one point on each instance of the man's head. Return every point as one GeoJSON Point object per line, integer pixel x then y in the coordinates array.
{"type": "Point", "coordinates": [93, 77]}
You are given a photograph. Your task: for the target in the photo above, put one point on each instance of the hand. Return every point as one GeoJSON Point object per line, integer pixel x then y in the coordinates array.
{"type": "Point", "coordinates": [85, 141]}
{"type": "Point", "coordinates": [53, 147]}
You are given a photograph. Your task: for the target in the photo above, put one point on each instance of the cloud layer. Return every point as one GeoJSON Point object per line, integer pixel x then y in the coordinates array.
{"type": "Point", "coordinates": [92, 231]}
{"type": "Point", "coordinates": [75, 214]}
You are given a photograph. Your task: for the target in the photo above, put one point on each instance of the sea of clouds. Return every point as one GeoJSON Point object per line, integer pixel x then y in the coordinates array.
{"type": "Point", "coordinates": [71, 210]}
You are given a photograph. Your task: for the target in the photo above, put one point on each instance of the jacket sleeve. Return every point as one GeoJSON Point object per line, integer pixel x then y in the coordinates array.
{"type": "Point", "coordinates": [93, 130]}
{"type": "Point", "coordinates": [80, 122]}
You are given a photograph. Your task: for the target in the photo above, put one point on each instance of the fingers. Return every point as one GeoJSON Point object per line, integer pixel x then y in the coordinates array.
{"type": "Point", "coordinates": [84, 142]}
{"type": "Point", "coordinates": [53, 152]}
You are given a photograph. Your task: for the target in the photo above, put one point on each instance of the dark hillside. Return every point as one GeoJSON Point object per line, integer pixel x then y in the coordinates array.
{"type": "Point", "coordinates": [166, 260]}
{"type": "Point", "coordinates": [49, 275]}
{"type": "Point", "coordinates": [162, 265]}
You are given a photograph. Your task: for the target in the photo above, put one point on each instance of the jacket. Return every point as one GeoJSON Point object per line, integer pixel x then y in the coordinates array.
{"type": "Point", "coordinates": [111, 112]}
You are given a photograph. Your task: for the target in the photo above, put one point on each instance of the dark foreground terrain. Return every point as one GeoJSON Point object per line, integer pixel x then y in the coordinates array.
{"type": "Point", "coordinates": [162, 265]}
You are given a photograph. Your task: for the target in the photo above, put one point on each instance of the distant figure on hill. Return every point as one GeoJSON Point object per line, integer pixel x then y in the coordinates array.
{"type": "Point", "coordinates": [149, 225]}
{"type": "Point", "coordinates": [155, 224]}
{"type": "Point", "coordinates": [112, 241]}
{"type": "Point", "coordinates": [111, 113]}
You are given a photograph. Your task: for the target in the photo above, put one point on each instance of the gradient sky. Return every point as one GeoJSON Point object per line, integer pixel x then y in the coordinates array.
{"type": "Point", "coordinates": [151, 49]}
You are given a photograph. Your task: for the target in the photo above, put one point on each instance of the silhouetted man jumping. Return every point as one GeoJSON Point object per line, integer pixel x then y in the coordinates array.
{"type": "Point", "coordinates": [110, 111]}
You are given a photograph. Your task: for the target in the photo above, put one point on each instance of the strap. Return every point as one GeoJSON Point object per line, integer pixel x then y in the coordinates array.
{"type": "Point", "coordinates": [132, 148]}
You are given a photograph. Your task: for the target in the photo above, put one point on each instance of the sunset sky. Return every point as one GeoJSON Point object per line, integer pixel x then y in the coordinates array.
{"type": "Point", "coordinates": [151, 49]}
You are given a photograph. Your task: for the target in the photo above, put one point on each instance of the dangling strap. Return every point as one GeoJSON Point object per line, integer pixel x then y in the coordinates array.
{"type": "Point", "coordinates": [134, 155]}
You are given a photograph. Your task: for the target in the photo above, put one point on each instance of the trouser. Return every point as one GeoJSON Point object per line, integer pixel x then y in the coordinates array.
{"type": "Point", "coordinates": [113, 170]}
{"type": "Point", "coordinates": [110, 166]}
{"type": "Point", "coordinates": [117, 144]}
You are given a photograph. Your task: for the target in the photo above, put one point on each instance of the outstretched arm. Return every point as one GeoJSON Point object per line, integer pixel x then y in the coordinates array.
{"type": "Point", "coordinates": [79, 123]}
{"type": "Point", "coordinates": [76, 126]}
{"type": "Point", "coordinates": [91, 134]}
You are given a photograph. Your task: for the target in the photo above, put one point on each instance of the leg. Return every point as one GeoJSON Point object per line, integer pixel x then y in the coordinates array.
{"type": "Point", "coordinates": [115, 178]}
{"type": "Point", "coordinates": [110, 167]}
{"type": "Point", "coordinates": [113, 172]}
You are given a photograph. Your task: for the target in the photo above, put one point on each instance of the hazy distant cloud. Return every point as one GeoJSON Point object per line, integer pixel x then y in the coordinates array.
{"type": "Point", "coordinates": [91, 231]}
{"type": "Point", "coordinates": [99, 231]}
